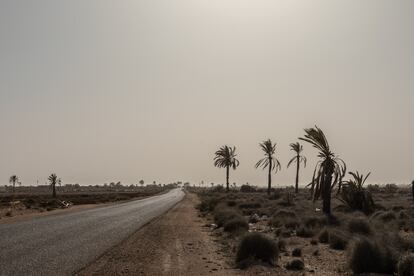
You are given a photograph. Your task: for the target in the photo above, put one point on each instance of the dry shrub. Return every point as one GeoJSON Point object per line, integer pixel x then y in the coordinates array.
{"type": "Point", "coordinates": [406, 265]}
{"type": "Point", "coordinates": [338, 240]}
{"type": "Point", "coordinates": [370, 256]}
{"type": "Point", "coordinates": [281, 244]}
{"type": "Point", "coordinates": [223, 215]}
{"type": "Point", "coordinates": [295, 264]}
{"type": "Point", "coordinates": [297, 252]}
{"type": "Point", "coordinates": [208, 203]}
{"type": "Point", "coordinates": [305, 232]}
{"type": "Point", "coordinates": [323, 236]}
{"type": "Point", "coordinates": [359, 226]}
{"type": "Point", "coordinates": [256, 246]}
{"type": "Point", "coordinates": [315, 222]}
{"type": "Point", "coordinates": [236, 224]}
{"type": "Point", "coordinates": [387, 216]}
{"type": "Point", "coordinates": [251, 205]}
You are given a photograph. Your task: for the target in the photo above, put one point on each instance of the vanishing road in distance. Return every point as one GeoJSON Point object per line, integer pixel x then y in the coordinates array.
{"type": "Point", "coordinates": [64, 243]}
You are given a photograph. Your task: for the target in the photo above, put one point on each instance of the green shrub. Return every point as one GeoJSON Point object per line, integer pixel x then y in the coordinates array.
{"type": "Point", "coordinates": [359, 226]}
{"type": "Point", "coordinates": [236, 224]}
{"type": "Point", "coordinates": [371, 256]}
{"type": "Point", "coordinates": [406, 265]}
{"type": "Point", "coordinates": [256, 246]}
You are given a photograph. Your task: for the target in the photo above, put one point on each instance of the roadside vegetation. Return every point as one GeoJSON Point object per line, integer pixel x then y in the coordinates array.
{"type": "Point", "coordinates": [338, 224]}
{"type": "Point", "coordinates": [36, 199]}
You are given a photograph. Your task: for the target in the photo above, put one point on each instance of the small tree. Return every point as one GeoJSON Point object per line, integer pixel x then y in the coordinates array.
{"type": "Point", "coordinates": [355, 195]}
{"type": "Point", "coordinates": [53, 179]}
{"type": "Point", "coordinates": [298, 158]}
{"type": "Point", "coordinates": [13, 180]}
{"type": "Point", "coordinates": [141, 182]}
{"type": "Point", "coordinates": [269, 161]}
{"type": "Point", "coordinates": [328, 171]}
{"type": "Point", "coordinates": [226, 158]}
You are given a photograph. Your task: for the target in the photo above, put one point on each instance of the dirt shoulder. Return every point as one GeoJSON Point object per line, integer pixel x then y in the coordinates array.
{"type": "Point", "coordinates": [174, 244]}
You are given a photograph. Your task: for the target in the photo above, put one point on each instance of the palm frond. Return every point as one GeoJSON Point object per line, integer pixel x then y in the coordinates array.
{"type": "Point", "coordinates": [269, 149]}
{"type": "Point", "coordinates": [291, 161]}
{"type": "Point", "coordinates": [226, 157]}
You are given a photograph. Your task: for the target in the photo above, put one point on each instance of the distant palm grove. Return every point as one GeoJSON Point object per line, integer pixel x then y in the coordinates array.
{"type": "Point", "coordinates": [328, 172]}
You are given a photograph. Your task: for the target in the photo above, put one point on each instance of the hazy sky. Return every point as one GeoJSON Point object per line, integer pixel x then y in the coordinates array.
{"type": "Point", "coordinates": [99, 91]}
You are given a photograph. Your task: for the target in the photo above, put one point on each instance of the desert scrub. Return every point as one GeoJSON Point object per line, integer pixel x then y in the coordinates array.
{"type": "Point", "coordinates": [359, 226]}
{"type": "Point", "coordinates": [208, 203]}
{"type": "Point", "coordinates": [256, 246]}
{"type": "Point", "coordinates": [323, 236]}
{"type": "Point", "coordinates": [295, 264]}
{"type": "Point", "coordinates": [285, 218]}
{"type": "Point", "coordinates": [305, 232]}
{"type": "Point", "coordinates": [406, 265]}
{"type": "Point", "coordinates": [338, 240]}
{"type": "Point", "coordinates": [223, 215]}
{"type": "Point", "coordinates": [384, 216]}
{"type": "Point", "coordinates": [315, 222]}
{"type": "Point", "coordinates": [297, 252]}
{"type": "Point", "coordinates": [370, 256]}
{"type": "Point", "coordinates": [236, 224]}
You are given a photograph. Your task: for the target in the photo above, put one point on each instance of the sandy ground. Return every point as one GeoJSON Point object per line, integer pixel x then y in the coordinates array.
{"type": "Point", "coordinates": [174, 244]}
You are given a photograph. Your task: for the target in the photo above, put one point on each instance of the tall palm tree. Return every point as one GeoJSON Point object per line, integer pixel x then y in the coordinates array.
{"type": "Point", "coordinates": [269, 161]}
{"type": "Point", "coordinates": [13, 180]}
{"type": "Point", "coordinates": [53, 179]}
{"type": "Point", "coordinates": [226, 158]}
{"type": "Point", "coordinates": [328, 171]}
{"type": "Point", "coordinates": [298, 158]}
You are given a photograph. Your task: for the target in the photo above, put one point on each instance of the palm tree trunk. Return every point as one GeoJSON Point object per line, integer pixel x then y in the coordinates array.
{"type": "Point", "coordinates": [326, 192]}
{"type": "Point", "coordinates": [269, 182]}
{"type": "Point", "coordinates": [227, 178]}
{"type": "Point", "coordinates": [412, 189]}
{"type": "Point", "coordinates": [297, 175]}
{"type": "Point", "coordinates": [54, 190]}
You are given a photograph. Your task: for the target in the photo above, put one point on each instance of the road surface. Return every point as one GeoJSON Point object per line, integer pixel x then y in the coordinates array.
{"type": "Point", "coordinates": [63, 244]}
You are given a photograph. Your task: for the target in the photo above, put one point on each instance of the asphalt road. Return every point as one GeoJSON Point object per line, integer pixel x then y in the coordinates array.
{"type": "Point", "coordinates": [63, 244]}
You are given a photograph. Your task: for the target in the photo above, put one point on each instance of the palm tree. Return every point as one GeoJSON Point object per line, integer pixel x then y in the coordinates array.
{"type": "Point", "coordinates": [355, 195]}
{"type": "Point", "coordinates": [269, 161]}
{"type": "Point", "coordinates": [53, 180]}
{"type": "Point", "coordinates": [226, 158]}
{"type": "Point", "coordinates": [328, 171]}
{"type": "Point", "coordinates": [13, 180]}
{"type": "Point", "coordinates": [298, 158]}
